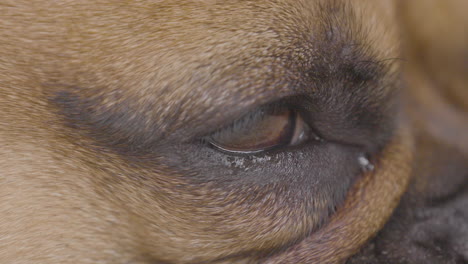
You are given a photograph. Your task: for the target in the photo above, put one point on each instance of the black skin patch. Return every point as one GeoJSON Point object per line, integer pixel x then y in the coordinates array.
{"type": "Point", "coordinates": [429, 226]}
{"type": "Point", "coordinates": [427, 234]}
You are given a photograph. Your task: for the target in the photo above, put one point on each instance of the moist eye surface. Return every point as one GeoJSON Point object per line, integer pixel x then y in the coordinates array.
{"type": "Point", "coordinates": [264, 129]}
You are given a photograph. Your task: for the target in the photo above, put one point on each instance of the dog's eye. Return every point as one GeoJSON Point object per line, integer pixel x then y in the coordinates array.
{"type": "Point", "coordinates": [262, 130]}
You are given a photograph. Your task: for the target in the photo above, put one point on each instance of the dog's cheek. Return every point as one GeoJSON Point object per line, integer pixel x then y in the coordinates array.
{"type": "Point", "coordinates": [211, 213]}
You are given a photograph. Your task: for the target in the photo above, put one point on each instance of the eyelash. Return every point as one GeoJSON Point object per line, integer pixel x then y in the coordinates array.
{"type": "Point", "coordinates": [241, 123]}
{"type": "Point", "coordinates": [246, 121]}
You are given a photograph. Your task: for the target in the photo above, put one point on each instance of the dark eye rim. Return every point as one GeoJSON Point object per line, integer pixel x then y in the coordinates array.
{"type": "Point", "coordinates": [268, 151]}
{"type": "Point", "coordinates": [219, 148]}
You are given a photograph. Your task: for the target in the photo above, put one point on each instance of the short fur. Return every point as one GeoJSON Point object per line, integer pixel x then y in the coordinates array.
{"type": "Point", "coordinates": [105, 104]}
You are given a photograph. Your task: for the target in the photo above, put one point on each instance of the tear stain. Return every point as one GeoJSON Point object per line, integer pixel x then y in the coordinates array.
{"type": "Point", "coordinates": [236, 162]}
{"type": "Point", "coordinates": [261, 159]}
{"type": "Point", "coordinates": [365, 164]}
{"type": "Point", "coordinates": [244, 162]}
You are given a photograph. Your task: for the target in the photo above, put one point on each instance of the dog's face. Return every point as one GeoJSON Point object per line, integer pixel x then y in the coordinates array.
{"type": "Point", "coordinates": [216, 132]}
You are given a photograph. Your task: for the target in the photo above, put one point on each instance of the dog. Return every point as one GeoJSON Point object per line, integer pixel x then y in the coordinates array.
{"type": "Point", "coordinates": [292, 131]}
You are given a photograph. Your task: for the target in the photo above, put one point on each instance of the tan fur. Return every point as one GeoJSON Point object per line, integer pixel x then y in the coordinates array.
{"type": "Point", "coordinates": [64, 200]}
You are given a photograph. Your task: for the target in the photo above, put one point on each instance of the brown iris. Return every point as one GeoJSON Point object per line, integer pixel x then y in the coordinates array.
{"type": "Point", "coordinates": [263, 130]}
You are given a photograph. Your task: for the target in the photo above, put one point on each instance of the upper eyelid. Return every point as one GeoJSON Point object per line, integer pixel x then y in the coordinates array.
{"type": "Point", "coordinates": [281, 103]}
